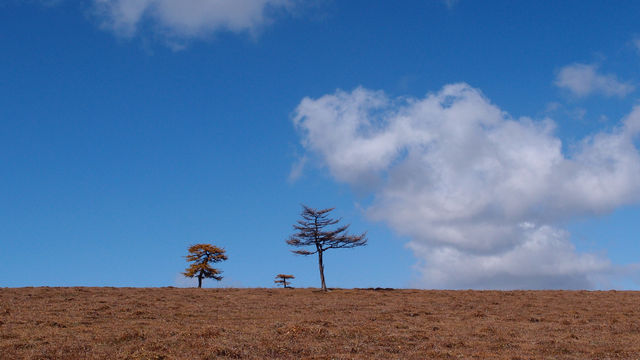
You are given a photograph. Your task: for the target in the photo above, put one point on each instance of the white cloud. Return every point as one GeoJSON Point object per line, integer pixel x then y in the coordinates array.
{"type": "Point", "coordinates": [544, 258]}
{"type": "Point", "coordinates": [297, 168]}
{"type": "Point", "coordinates": [584, 79]}
{"type": "Point", "coordinates": [480, 194]}
{"type": "Point", "coordinates": [186, 19]}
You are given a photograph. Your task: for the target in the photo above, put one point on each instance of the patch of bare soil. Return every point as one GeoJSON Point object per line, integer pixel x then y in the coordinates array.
{"type": "Point", "coordinates": [168, 323]}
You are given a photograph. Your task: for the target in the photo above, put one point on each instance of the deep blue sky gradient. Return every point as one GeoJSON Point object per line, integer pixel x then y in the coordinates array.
{"type": "Point", "coordinates": [116, 154]}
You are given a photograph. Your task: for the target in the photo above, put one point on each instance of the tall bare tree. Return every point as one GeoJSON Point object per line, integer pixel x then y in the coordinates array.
{"type": "Point", "coordinates": [314, 231]}
{"type": "Point", "coordinates": [201, 255]}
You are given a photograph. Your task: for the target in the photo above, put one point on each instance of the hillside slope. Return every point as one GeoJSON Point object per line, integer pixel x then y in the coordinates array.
{"type": "Point", "coordinates": [170, 323]}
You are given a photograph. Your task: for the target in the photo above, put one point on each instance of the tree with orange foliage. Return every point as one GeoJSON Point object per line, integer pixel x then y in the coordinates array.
{"type": "Point", "coordinates": [201, 255]}
{"type": "Point", "coordinates": [282, 279]}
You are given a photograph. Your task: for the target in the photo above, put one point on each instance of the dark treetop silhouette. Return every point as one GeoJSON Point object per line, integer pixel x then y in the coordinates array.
{"type": "Point", "coordinates": [201, 255]}
{"type": "Point", "coordinates": [281, 279]}
{"type": "Point", "coordinates": [311, 231]}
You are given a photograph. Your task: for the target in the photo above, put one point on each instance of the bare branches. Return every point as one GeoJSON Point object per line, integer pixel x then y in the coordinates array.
{"type": "Point", "coordinates": [312, 231]}
{"type": "Point", "coordinates": [348, 241]}
{"type": "Point", "coordinates": [303, 252]}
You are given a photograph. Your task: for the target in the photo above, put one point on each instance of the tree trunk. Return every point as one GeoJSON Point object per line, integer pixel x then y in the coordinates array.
{"type": "Point", "coordinates": [321, 266]}
{"type": "Point", "coordinates": [199, 282]}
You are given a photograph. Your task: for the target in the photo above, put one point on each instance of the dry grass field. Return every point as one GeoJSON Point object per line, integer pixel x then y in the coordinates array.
{"type": "Point", "coordinates": [169, 323]}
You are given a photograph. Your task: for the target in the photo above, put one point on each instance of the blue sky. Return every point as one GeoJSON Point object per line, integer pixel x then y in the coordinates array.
{"type": "Point", "coordinates": [480, 144]}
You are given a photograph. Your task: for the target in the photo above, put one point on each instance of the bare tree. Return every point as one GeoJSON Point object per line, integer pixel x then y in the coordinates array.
{"type": "Point", "coordinates": [281, 279]}
{"type": "Point", "coordinates": [312, 231]}
{"type": "Point", "coordinates": [201, 255]}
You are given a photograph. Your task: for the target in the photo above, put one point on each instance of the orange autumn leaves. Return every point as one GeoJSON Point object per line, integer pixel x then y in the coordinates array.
{"type": "Point", "coordinates": [201, 255]}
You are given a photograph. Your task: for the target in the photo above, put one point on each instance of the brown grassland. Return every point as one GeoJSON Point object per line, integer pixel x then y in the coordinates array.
{"type": "Point", "coordinates": [170, 323]}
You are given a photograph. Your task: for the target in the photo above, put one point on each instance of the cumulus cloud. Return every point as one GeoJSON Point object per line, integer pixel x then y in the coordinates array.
{"type": "Point", "coordinates": [186, 18]}
{"type": "Point", "coordinates": [584, 79]}
{"type": "Point", "coordinates": [543, 258]}
{"type": "Point", "coordinates": [481, 195]}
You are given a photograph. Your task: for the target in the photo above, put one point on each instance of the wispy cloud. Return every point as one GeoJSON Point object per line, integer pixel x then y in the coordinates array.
{"type": "Point", "coordinates": [583, 80]}
{"type": "Point", "coordinates": [186, 19]}
{"type": "Point", "coordinates": [450, 3]}
{"type": "Point", "coordinates": [481, 195]}
{"type": "Point", "coordinates": [297, 168]}
{"type": "Point", "coordinates": [636, 44]}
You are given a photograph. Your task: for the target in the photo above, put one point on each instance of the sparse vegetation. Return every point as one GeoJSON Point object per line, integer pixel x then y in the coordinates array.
{"type": "Point", "coordinates": [313, 231]}
{"type": "Point", "coordinates": [121, 323]}
{"type": "Point", "coordinates": [281, 279]}
{"type": "Point", "coordinates": [201, 255]}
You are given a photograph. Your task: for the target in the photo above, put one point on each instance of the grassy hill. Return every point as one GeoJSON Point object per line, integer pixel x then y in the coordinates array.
{"type": "Point", "coordinates": [171, 323]}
